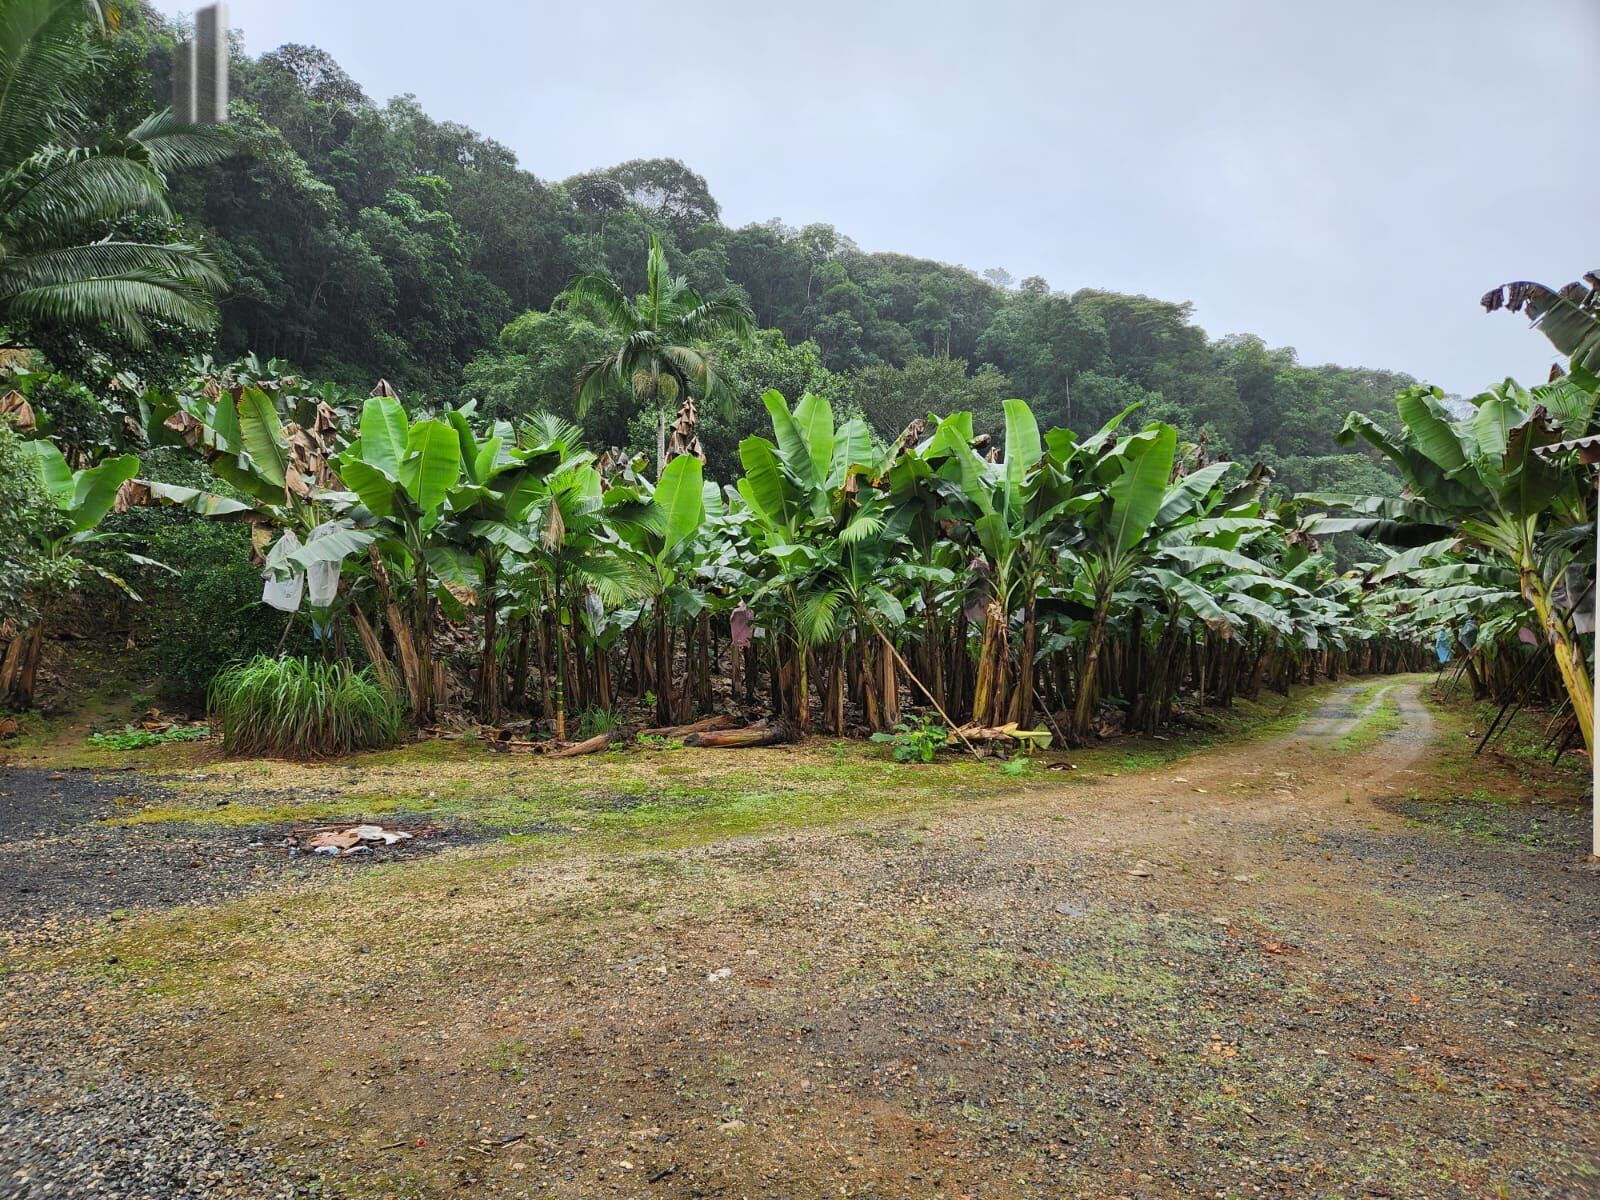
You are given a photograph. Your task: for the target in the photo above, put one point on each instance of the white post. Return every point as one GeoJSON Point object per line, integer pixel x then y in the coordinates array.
{"type": "Point", "coordinates": [183, 85]}
{"type": "Point", "coordinates": [211, 65]}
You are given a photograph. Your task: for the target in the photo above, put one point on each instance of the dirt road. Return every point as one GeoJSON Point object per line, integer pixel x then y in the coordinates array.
{"type": "Point", "coordinates": [1282, 967]}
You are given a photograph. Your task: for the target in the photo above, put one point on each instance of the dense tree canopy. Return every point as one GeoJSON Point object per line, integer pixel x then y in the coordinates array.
{"type": "Point", "coordinates": [365, 240]}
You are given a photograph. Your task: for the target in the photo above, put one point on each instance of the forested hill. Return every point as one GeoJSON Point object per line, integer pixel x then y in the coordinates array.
{"type": "Point", "coordinates": [369, 240]}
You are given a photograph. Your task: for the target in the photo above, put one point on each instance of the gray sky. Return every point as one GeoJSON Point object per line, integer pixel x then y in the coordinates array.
{"type": "Point", "coordinates": [1346, 178]}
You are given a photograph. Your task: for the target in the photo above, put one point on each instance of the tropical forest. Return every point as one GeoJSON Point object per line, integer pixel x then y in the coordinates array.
{"type": "Point", "coordinates": [519, 686]}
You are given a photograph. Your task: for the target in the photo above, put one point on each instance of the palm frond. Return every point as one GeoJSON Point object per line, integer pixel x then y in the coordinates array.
{"type": "Point", "coordinates": [593, 380]}
{"type": "Point", "coordinates": [79, 188]}
{"type": "Point", "coordinates": [544, 428]}
{"type": "Point", "coordinates": [712, 318]}
{"type": "Point", "coordinates": [176, 261]}
{"type": "Point", "coordinates": [863, 526]}
{"type": "Point", "coordinates": [817, 619]}
{"type": "Point", "coordinates": [599, 295]}
{"type": "Point", "coordinates": [46, 70]}
{"type": "Point", "coordinates": [169, 145]}
{"type": "Point", "coordinates": [617, 580]}
{"type": "Point", "coordinates": [123, 301]}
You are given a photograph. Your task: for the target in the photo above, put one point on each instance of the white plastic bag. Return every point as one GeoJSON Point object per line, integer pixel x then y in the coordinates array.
{"type": "Point", "coordinates": [322, 578]}
{"type": "Point", "coordinates": [282, 594]}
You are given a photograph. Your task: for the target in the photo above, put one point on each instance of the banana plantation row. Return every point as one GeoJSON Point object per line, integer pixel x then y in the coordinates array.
{"type": "Point", "coordinates": [1046, 576]}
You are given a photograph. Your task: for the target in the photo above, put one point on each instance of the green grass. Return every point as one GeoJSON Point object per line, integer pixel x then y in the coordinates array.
{"type": "Point", "coordinates": [672, 795]}
{"type": "Point", "coordinates": [1381, 718]}
{"type": "Point", "coordinates": [302, 707]}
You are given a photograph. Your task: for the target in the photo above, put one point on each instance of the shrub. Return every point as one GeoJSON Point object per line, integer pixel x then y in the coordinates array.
{"type": "Point", "coordinates": [209, 615]}
{"type": "Point", "coordinates": [22, 508]}
{"type": "Point", "coordinates": [302, 708]}
{"type": "Point", "coordinates": [915, 740]}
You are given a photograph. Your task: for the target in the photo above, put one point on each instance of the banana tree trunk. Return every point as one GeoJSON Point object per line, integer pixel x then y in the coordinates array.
{"type": "Point", "coordinates": [19, 669]}
{"type": "Point", "coordinates": [838, 691]}
{"type": "Point", "coordinates": [665, 714]}
{"type": "Point", "coordinates": [10, 667]}
{"type": "Point", "coordinates": [1568, 653]}
{"type": "Point", "coordinates": [934, 657]}
{"type": "Point", "coordinates": [989, 693]}
{"type": "Point", "coordinates": [889, 683]}
{"type": "Point", "coordinates": [519, 661]}
{"type": "Point", "coordinates": [602, 678]}
{"type": "Point", "coordinates": [489, 686]}
{"type": "Point", "coordinates": [373, 644]}
{"type": "Point", "coordinates": [1022, 697]}
{"type": "Point", "coordinates": [422, 634]}
{"type": "Point", "coordinates": [413, 670]}
{"type": "Point", "coordinates": [558, 683]}
{"type": "Point", "coordinates": [793, 686]}
{"type": "Point", "coordinates": [32, 652]}
{"type": "Point", "coordinates": [705, 646]}
{"type": "Point", "coordinates": [1083, 701]}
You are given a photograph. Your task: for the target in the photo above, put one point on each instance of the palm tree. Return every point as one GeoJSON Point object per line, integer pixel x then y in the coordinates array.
{"type": "Point", "coordinates": [64, 186]}
{"type": "Point", "coordinates": [661, 351]}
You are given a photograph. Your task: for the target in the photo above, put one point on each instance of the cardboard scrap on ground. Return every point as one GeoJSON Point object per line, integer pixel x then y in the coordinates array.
{"type": "Point", "coordinates": [344, 840]}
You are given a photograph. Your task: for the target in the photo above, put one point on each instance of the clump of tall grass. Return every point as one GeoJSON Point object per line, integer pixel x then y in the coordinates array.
{"type": "Point", "coordinates": [302, 708]}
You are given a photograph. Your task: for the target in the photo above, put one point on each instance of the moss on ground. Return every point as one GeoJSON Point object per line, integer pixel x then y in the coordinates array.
{"type": "Point", "coordinates": [678, 796]}
{"type": "Point", "coordinates": [1378, 720]}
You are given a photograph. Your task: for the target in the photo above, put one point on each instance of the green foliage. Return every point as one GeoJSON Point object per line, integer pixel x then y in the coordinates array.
{"type": "Point", "coordinates": [24, 510]}
{"type": "Point", "coordinates": [67, 190]}
{"type": "Point", "coordinates": [915, 740]}
{"type": "Point", "coordinates": [892, 397]}
{"type": "Point", "coordinates": [367, 240]}
{"type": "Point", "coordinates": [660, 341]}
{"type": "Point", "coordinates": [592, 722]}
{"type": "Point", "coordinates": [131, 737]}
{"type": "Point", "coordinates": [302, 708]}
{"type": "Point", "coordinates": [1495, 522]}
{"type": "Point", "coordinates": [210, 616]}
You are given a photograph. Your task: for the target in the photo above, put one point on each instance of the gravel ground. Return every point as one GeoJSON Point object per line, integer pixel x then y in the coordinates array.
{"type": "Point", "coordinates": [74, 1124]}
{"type": "Point", "coordinates": [60, 867]}
{"type": "Point", "coordinates": [67, 1133]}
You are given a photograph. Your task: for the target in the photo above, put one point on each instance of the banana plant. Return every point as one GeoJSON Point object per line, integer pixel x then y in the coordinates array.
{"type": "Point", "coordinates": [268, 442]}
{"type": "Point", "coordinates": [821, 532]}
{"type": "Point", "coordinates": [396, 476]}
{"type": "Point", "coordinates": [281, 467]}
{"type": "Point", "coordinates": [486, 524]}
{"type": "Point", "coordinates": [1128, 482]}
{"type": "Point", "coordinates": [1014, 508]}
{"type": "Point", "coordinates": [573, 551]}
{"type": "Point", "coordinates": [1490, 482]}
{"type": "Point", "coordinates": [657, 526]}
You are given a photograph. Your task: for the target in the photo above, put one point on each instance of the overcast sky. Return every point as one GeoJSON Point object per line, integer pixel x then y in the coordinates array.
{"type": "Point", "coordinates": [1344, 178]}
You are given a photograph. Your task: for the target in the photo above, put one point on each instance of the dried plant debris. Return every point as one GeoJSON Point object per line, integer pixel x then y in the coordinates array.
{"type": "Point", "coordinates": [343, 841]}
